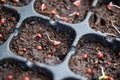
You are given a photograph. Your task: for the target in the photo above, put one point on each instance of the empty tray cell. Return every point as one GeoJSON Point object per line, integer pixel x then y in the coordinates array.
{"type": "Point", "coordinates": [16, 2]}
{"type": "Point", "coordinates": [8, 20]}
{"type": "Point", "coordinates": [14, 72]}
{"type": "Point", "coordinates": [41, 43]}
{"type": "Point", "coordinates": [93, 61]}
{"type": "Point", "coordinates": [106, 20]}
{"type": "Point", "coordinates": [72, 11]}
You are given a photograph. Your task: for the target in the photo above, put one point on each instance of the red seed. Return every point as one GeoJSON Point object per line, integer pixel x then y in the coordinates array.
{"type": "Point", "coordinates": [77, 14]}
{"type": "Point", "coordinates": [89, 71]}
{"type": "Point", "coordinates": [43, 7]}
{"type": "Point", "coordinates": [100, 55]}
{"type": "Point", "coordinates": [26, 78]}
{"type": "Point", "coordinates": [64, 19]}
{"type": "Point", "coordinates": [48, 56]}
{"type": "Point", "coordinates": [2, 21]}
{"type": "Point", "coordinates": [3, 1]}
{"type": "Point", "coordinates": [53, 12]}
{"type": "Point", "coordinates": [56, 43]}
{"type": "Point", "coordinates": [9, 77]}
{"type": "Point", "coordinates": [1, 36]}
{"type": "Point", "coordinates": [109, 7]}
{"type": "Point", "coordinates": [15, 1]}
{"type": "Point", "coordinates": [77, 3]}
{"type": "Point", "coordinates": [85, 56]}
{"type": "Point", "coordinates": [24, 49]}
{"type": "Point", "coordinates": [39, 47]}
{"type": "Point", "coordinates": [38, 35]}
{"type": "Point", "coordinates": [108, 62]}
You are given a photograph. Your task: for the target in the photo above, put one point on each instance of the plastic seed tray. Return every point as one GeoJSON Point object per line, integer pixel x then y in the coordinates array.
{"type": "Point", "coordinates": [60, 71]}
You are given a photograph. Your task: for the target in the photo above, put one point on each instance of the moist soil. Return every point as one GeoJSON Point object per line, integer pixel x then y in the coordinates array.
{"type": "Point", "coordinates": [49, 54]}
{"type": "Point", "coordinates": [18, 74]}
{"type": "Point", "coordinates": [10, 18]}
{"type": "Point", "coordinates": [102, 20]}
{"type": "Point", "coordinates": [10, 22]}
{"type": "Point", "coordinates": [19, 4]}
{"type": "Point", "coordinates": [110, 61]}
{"type": "Point", "coordinates": [99, 21]}
{"type": "Point", "coordinates": [63, 8]}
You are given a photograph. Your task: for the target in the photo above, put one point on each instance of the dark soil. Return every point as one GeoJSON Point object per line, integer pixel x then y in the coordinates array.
{"type": "Point", "coordinates": [19, 4]}
{"type": "Point", "coordinates": [18, 73]}
{"type": "Point", "coordinates": [27, 41]}
{"type": "Point", "coordinates": [49, 54]}
{"type": "Point", "coordinates": [101, 20]}
{"type": "Point", "coordinates": [63, 8]}
{"type": "Point", "coordinates": [10, 22]}
{"type": "Point", "coordinates": [110, 61]}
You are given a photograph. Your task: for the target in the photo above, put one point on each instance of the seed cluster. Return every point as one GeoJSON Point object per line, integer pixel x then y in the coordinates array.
{"type": "Point", "coordinates": [39, 47]}
{"type": "Point", "coordinates": [2, 22]}
{"type": "Point", "coordinates": [76, 3]}
{"type": "Point", "coordinates": [11, 77]}
{"type": "Point", "coordinates": [100, 55]}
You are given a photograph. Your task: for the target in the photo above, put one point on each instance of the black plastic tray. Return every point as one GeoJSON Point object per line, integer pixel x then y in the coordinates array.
{"type": "Point", "coordinates": [62, 70]}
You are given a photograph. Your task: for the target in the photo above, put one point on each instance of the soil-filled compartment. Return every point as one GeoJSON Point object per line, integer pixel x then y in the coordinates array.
{"type": "Point", "coordinates": [18, 3]}
{"type": "Point", "coordinates": [12, 71]}
{"type": "Point", "coordinates": [8, 20]}
{"type": "Point", "coordinates": [106, 19]}
{"type": "Point", "coordinates": [72, 11]}
{"type": "Point", "coordinates": [41, 43]}
{"type": "Point", "coordinates": [92, 60]}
